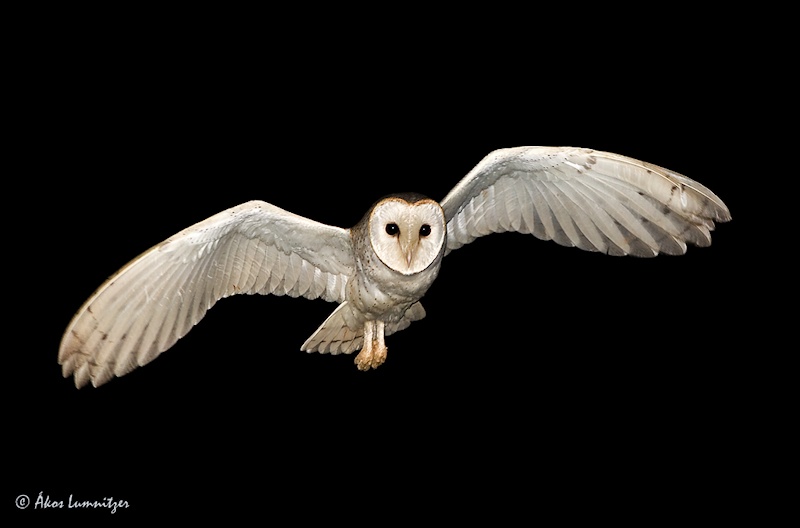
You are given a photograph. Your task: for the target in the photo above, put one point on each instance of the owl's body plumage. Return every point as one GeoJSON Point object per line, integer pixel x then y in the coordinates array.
{"type": "Point", "coordinates": [377, 292]}
{"type": "Point", "coordinates": [380, 269]}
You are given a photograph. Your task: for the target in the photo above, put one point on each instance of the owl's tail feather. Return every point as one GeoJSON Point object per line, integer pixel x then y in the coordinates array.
{"type": "Point", "coordinates": [336, 335]}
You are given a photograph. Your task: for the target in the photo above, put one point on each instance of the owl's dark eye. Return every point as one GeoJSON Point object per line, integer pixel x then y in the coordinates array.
{"type": "Point", "coordinates": [425, 230]}
{"type": "Point", "coordinates": [392, 229]}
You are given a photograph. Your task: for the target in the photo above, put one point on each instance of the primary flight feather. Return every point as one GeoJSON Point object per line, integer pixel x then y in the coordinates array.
{"type": "Point", "coordinates": [379, 269]}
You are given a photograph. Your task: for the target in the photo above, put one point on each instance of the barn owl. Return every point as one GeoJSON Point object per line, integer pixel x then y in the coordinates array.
{"type": "Point", "coordinates": [378, 270]}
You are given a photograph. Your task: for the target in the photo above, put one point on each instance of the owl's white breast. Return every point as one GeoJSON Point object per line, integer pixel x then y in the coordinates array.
{"type": "Point", "coordinates": [378, 292]}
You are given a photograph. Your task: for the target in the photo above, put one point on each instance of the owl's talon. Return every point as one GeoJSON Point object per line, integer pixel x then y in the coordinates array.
{"type": "Point", "coordinates": [371, 357]}
{"type": "Point", "coordinates": [378, 356]}
{"type": "Point", "coordinates": [362, 361]}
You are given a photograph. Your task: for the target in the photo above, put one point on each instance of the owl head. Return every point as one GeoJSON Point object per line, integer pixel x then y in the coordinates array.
{"type": "Point", "coordinates": [407, 232]}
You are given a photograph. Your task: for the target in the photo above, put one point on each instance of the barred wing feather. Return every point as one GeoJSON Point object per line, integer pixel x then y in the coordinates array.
{"type": "Point", "coordinates": [593, 200]}
{"type": "Point", "coordinates": [158, 297]}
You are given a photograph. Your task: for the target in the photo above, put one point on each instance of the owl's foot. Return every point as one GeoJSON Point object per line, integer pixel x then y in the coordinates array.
{"type": "Point", "coordinates": [370, 357]}
{"type": "Point", "coordinates": [373, 353]}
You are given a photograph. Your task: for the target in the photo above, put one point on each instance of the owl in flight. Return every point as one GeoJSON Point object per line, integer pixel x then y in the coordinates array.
{"type": "Point", "coordinates": [378, 270]}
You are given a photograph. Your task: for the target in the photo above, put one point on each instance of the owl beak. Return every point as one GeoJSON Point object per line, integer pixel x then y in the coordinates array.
{"type": "Point", "coordinates": [407, 246]}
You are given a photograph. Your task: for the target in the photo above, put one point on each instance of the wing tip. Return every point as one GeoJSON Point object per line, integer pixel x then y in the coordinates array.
{"type": "Point", "coordinates": [76, 363]}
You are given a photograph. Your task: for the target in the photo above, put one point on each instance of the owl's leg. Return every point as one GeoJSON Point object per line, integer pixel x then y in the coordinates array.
{"type": "Point", "coordinates": [379, 349]}
{"type": "Point", "coordinates": [373, 353]}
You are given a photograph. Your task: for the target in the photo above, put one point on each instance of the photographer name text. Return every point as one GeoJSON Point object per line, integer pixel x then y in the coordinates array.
{"type": "Point", "coordinates": [44, 502]}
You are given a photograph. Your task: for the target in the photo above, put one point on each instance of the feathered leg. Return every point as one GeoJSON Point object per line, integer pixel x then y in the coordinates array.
{"type": "Point", "coordinates": [373, 354]}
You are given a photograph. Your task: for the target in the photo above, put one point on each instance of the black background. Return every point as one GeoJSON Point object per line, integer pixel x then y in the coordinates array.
{"type": "Point", "coordinates": [543, 378]}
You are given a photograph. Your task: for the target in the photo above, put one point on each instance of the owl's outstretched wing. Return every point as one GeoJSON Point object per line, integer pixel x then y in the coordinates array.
{"type": "Point", "coordinates": [597, 201]}
{"type": "Point", "coordinates": [155, 299]}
